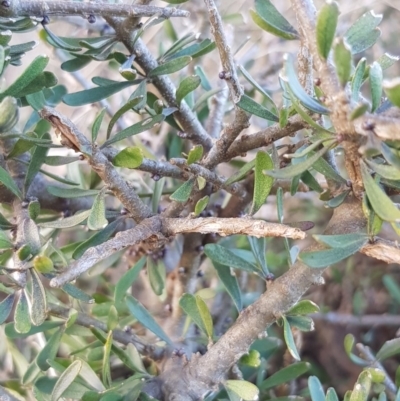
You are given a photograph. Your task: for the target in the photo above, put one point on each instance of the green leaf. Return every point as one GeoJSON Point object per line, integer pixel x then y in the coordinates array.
{"type": "Point", "coordinates": [145, 318]}
{"type": "Point", "coordinates": [229, 280]}
{"type": "Point", "coordinates": [319, 259]}
{"type": "Point", "coordinates": [58, 42]}
{"type": "Point", "coordinates": [49, 351]}
{"type": "Point", "coordinates": [205, 84]}
{"type": "Point", "coordinates": [93, 95]}
{"type": "Point", "coordinates": [97, 124]}
{"type": "Point", "coordinates": [157, 194]}
{"type": "Point", "coordinates": [375, 79]}
{"type": "Point", "coordinates": [97, 217]}
{"type": "Point", "coordinates": [349, 341]}
{"type": "Point", "coordinates": [21, 315]}
{"type": "Point", "coordinates": [285, 375]}
{"type": "Point", "coordinates": [389, 349]}
{"type": "Point", "coordinates": [182, 194]}
{"type": "Point", "coordinates": [65, 380]}
{"type": "Point", "coordinates": [380, 202]}
{"type": "Point", "coordinates": [289, 340]}
{"type": "Point", "coordinates": [186, 86]}
{"type": "Point", "coordinates": [303, 323]}
{"type": "Point", "coordinates": [44, 80]}
{"type": "Point", "coordinates": [36, 100]}
{"type": "Point", "coordinates": [340, 240]}
{"type": "Point", "coordinates": [244, 389]}
{"type": "Point", "coordinates": [224, 256]}
{"type": "Point", "coordinates": [303, 307]}
{"type": "Point", "coordinates": [252, 107]}
{"type": "Point", "coordinates": [5, 242]}
{"type": "Point", "coordinates": [96, 239]}
{"type": "Point", "coordinates": [38, 307]}
{"type": "Point", "coordinates": [106, 370]}
{"type": "Point", "coordinates": [35, 68]}
{"type": "Point", "coordinates": [324, 168]}
{"type": "Point", "coordinates": [258, 247]}
{"type": "Point", "coordinates": [195, 154]}
{"type": "Point", "coordinates": [126, 281]}
{"type": "Point", "coordinates": [316, 390]}
{"type": "Point", "coordinates": [326, 27]}
{"type": "Point", "coordinates": [358, 79]}
{"type": "Point", "coordinates": [170, 66]}
{"type": "Point", "coordinates": [76, 63]}
{"type": "Point", "coordinates": [71, 192]}
{"type": "Point", "coordinates": [42, 264]}
{"type": "Point", "coordinates": [48, 325]}
{"type": "Point", "coordinates": [6, 307]}
{"type": "Point", "coordinates": [241, 173]}
{"type": "Point", "coordinates": [9, 113]}
{"type": "Point", "coordinates": [156, 274]}
{"type": "Point", "coordinates": [262, 182]}
{"type": "Point", "coordinates": [331, 395]}
{"type": "Point", "coordinates": [385, 171]}
{"type": "Point", "coordinates": [359, 111]}
{"type": "Point", "coordinates": [296, 169]}
{"type": "Point", "coordinates": [201, 205]}
{"type": "Point", "coordinates": [364, 32]}
{"type": "Point", "coordinates": [76, 293]}
{"type": "Point", "coordinates": [135, 129]}
{"type": "Point", "coordinates": [251, 359]}
{"type": "Point", "coordinates": [343, 60]}
{"type": "Point", "coordinates": [8, 182]}
{"type": "Point", "coordinates": [68, 221]}
{"type": "Point", "coordinates": [131, 157]}
{"type": "Point", "coordinates": [271, 20]}
{"type": "Point", "coordinates": [392, 90]}
{"type": "Point", "coordinates": [294, 84]}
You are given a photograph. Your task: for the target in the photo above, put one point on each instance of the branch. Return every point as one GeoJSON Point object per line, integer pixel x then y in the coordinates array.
{"type": "Point", "coordinates": [366, 321]}
{"type": "Point", "coordinates": [217, 111]}
{"type": "Point", "coordinates": [231, 226]}
{"type": "Point", "coordinates": [384, 250]}
{"type": "Point", "coordinates": [74, 139]}
{"type": "Point", "coordinates": [241, 121]}
{"type": "Point", "coordinates": [9, 9]}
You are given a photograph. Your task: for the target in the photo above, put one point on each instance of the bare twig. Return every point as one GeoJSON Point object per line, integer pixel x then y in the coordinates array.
{"type": "Point", "coordinates": [74, 139]}
{"type": "Point", "coordinates": [366, 321]}
{"type": "Point", "coordinates": [384, 250]}
{"type": "Point", "coordinates": [217, 111]}
{"type": "Point", "coordinates": [69, 8]}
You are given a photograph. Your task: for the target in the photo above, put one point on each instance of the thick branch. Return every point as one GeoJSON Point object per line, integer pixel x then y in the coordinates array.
{"type": "Point", "coordinates": [73, 138]}
{"type": "Point", "coordinates": [71, 8]}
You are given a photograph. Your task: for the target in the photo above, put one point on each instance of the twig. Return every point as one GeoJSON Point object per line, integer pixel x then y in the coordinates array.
{"type": "Point", "coordinates": [217, 111]}
{"type": "Point", "coordinates": [231, 226]}
{"type": "Point", "coordinates": [68, 8]}
{"type": "Point", "coordinates": [370, 357]}
{"type": "Point", "coordinates": [367, 321]}
{"type": "Point", "coordinates": [74, 139]}
{"type": "Point", "coordinates": [384, 250]}
{"type": "Point", "coordinates": [241, 120]}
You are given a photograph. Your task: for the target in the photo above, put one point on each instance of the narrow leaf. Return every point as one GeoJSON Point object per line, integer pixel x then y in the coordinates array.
{"type": "Point", "coordinates": [285, 375]}
{"type": "Point", "coordinates": [201, 205]}
{"type": "Point", "coordinates": [170, 66]}
{"type": "Point", "coordinates": [303, 307]}
{"type": "Point", "coordinates": [244, 389]}
{"type": "Point", "coordinates": [6, 307]}
{"type": "Point", "coordinates": [106, 368]}
{"type": "Point", "coordinates": [182, 194]}
{"type": "Point", "coordinates": [375, 80]}
{"type": "Point", "coordinates": [392, 90]}
{"type": "Point", "coordinates": [262, 182]}
{"type": "Point", "coordinates": [316, 390]}
{"type": "Point", "coordinates": [76, 293]}
{"type": "Point", "coordinates": [252, 107]}
{"type": "Point", "coordinates": [21, 315]}
{"type": "Point", "coordinates": [195, 154]}
{"type": "Point", "coordinates": [326, 27]}
{"type": "Point", "coordinates": [186, 86]}
{"type": "Point", "coordinates": [389, 349]}
{"type": "Point", "coordinates": [131, 157]}
{"type": "Point", "coordinates": [156, 274]}
{"type": "Point", "coordinates": [289, 340]}
{"type": "Point", "coordinates": [38, 305]}
{"type": "Point", "coordinates": [358, 79]}
{"type": "Point", "coordinates": [65, 380]}
{"type": "Point", "coordinates": [342, 58]}
{"type": "Point", "coordinates": [241, 173]}
{"type": "Point", "coordinates": [384, 170]}
{"type": "Point", "coordinates": [68, 221]}
{"type": "Point", "coordinates": [8, 182]}
{"type": "Point", "coordinates": [339, 240]}
{"type": "Point", "coordinates": [71, 192]}
{"type": "Point", "coordinates": [97, 124]}
{"type": "Point", "coordinates": [97, 217]}
{"type": "Point", "coordinates": [258, 247]}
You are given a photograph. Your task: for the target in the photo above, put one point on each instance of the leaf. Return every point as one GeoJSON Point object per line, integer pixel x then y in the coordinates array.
{"type": "Point", "coordinates": [76, 293]}
{"type": "Point", "coordinates": [389, 349]}
{"type": "Point", "coordinates": [316, 390]}
{"type": "Point", "coordinates": [251, 359]}
{"type": "Point", "coordinates": [285, 375]}
{"type": "Point", "coordinates": [144, 317]}
{"type": "Point", "coordinates": [201, 205]}
{"type": "Point", "coordinates": [244, 389]}
{"type": "Point", "coordinates": [392, 90]}
{"type": "Point", "coordinates": [303, 323]}
{"type": "Point", "coordinates": [65, 380]}
{"type": "Point", "coordinates": [385, 171]}
{"type": "Point", "coordinates": [380, 202]}
{"type": "Point", "coordinates": [170, 66]}
{"type": "Point", "coordinates": [258, 247]}
{"type": "Point", "coordinates": [241, 173]}
{"type": "Point", "coordinates": [5, 242]}
{"type": "Point", "coordinates": [363, 33]}
{"type": "Point", "coordinates": [36, 100]}
{"type": "Point", "coordinates": [296, 169]}
{"type": "Point", "coordinates": [126, 281]}
{"type": "Point", "coordinates": [48, 325]}
{"type": "Point", "coordinates": [182, 194]}
{"type": "Point", "coordinates": [303, 307]}
{"type": "Point", "coordinates": [252, 107]}
{"type": "Point", "coordinates": [8, 182]}
{"type": "Point", "coordinates": [35, 68]}
{"type": "Point", "coordinates": [68, 221]}
{"type": "Point", "coordinates": [131, 157]}
{"type": "Point", "coordinates": [186, 86]}
{"type": "Point", "coordinates": [97, 217]}
{"type": "Point", "coordinates": [71, 192]}
{"type": "Point", "coordinates": [343, 60]}
{"type": "Point", "coordinates": [97, 124]}
{"type": "Point", "coordinates": [6, 307]}
{"type": "Point", "coordinates": [319, 259]}
{"type": "Point", "coordinates": [135, 129]}
{"type": "Point", "coordinates": [229, 280]}
{"type": "Point", "coordinates": [21, 314]}
{"type": "Point", "coordinates": [294, 84]}
{"type": "Point", "coordinates": [38, 308]}
{"type": "Point", "coordinates": [75, 64]}
{"type": "Point", "coordinates": [49, 351]}
{"type": "Point", "coordinates": [157, 194]}
{"type": "Point", "coordinates": [224, 256]}
{"type": "Point", "coordinates": [271, 20]}
{"type": "Point", "coordinates": [195, 154]}
{"type": "Point", "coordinates": [156, 274]}
{"type": "Point", "coordinates": [326, 27]}
{"type": "Point", "coordinates": [289, 340]}
{"type": "Point", "coordinates": [349, 341]}
{"type": "Point", "coordinates": [96, 239]}
{"type": "Point", "coordinates": [331, 395]}
{"type": "Point", "coordinates": [358, 78]}
{"type": "Point", "coordinates": [340, 240]}
{"type": "Point", "coordinates": [375, 80]}
{"type": "Point", "coordinates": [9, 113]}
{"type": "Point", "coordinates": [93, 95]}
{"type": "Point", "coordinates": [106, 368]}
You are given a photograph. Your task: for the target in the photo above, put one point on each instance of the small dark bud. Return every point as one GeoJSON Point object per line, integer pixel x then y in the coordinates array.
{"type": "Point", "coordinates": [91, 19]}
{"type": "Point", "coordinates": [45, 20]}
{"type": "Point", "coordinates": [81, 157]}
{"type": "Point", "coordinates": [270, 277]}
{"type": "Point", "coordinates": [6, 4]}
{"type": "Point", "coordinates": [317, 82]}
{"type": "Point", "coordinates": [368, 125]}
{"type": "Point", "coordinates": [139, 25]}
{"type": "Point", "coordinates": [155, 177]}
{"type": "Point", "coordinates": [66, 213]}
{"type": "Point", "coordinates": [200, 273]}
{"type": "Point", "coordinates": [123, 212]}
{"type": "Point", "coordinates": [25, 204]}
{"type": "Point", "coordinates": [179, 352]}
{"type": "Point", "coordinates": [209, 213]}
{"type": "Point", "coordinates": [182, 270]}
{"type": "Point", "coordinates": [128, 329]}
{"type": "Point", "coordinates": [200, 248]}
{"type": "Point", "coordinates": [222, 75]}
